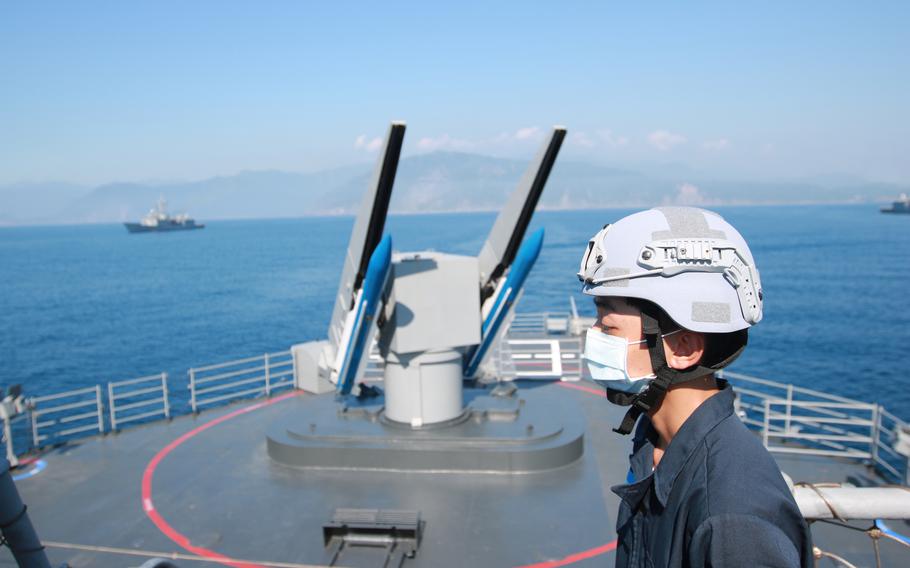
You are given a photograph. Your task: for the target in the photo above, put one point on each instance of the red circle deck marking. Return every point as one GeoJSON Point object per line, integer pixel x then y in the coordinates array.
{"type": "Point", "coordinates": [577, 557]}
{"type": "Point", "coordinates": [589, 390]}
{"type": "Point", "coordinates": [181, 540]}
{"type": "Point", "coordinates": [149, 507]}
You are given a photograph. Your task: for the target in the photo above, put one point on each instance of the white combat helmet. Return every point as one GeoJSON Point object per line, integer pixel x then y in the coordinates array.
{"type": "Point", "coordinates": [689, 261]}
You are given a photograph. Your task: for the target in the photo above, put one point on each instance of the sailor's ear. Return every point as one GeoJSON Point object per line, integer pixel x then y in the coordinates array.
{"type": "Point", "coordinates": [684, 349]}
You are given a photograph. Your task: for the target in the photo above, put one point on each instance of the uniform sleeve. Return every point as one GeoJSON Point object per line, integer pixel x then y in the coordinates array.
{"type": "Point", "coordinates": [737, 540]}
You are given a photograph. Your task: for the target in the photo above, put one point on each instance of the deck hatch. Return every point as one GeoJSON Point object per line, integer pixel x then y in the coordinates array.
{"type": "Point", "coordinates": [382, 537]}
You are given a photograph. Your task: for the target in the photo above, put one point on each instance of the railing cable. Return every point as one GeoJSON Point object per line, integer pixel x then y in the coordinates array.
{"type": "Point", "coordinates": [172, 555]}
{"type": "Point", "coordinates": [875, 533]}
{"type": "Point", "coordinates": [818, 553]}
{"type": "Point", "coordinates": [815, 487]}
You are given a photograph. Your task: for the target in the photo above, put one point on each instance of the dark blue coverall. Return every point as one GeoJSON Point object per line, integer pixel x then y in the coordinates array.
{"type": "Point", "coordinates": [717, 498]}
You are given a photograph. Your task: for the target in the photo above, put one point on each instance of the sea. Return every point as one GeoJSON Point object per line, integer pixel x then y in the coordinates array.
{"type": "Point", "coordinates": [87, 304]}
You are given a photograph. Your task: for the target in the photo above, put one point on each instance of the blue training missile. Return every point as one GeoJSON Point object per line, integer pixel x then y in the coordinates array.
{"type": "Point", "coordinates": [502, 303]}
{"type": "Point", "coordinates": [355, 344]}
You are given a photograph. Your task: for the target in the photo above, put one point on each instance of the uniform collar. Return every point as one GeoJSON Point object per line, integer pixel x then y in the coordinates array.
{"type": "Point", "coordinates": [687, 439]}
{"type": "Point", "coordinates": [641, 465]}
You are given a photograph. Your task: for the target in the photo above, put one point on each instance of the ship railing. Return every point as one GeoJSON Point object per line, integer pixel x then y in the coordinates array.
{"type": "Point", "coordinates": [63, 416]}
{"type": "Point", "coordinates": [56, 417]}
{"type": "Point", "coordinates": [538, 345]}
{"type": "Point", "coordinates": [138, 399]}
{"type": "Point", "coordinates": [374, 370]}
{"type": "Point", "coordinates": [578, 324]}
{"type": "Point", "coordinates": [540, 323]}
{"type": "Point", "coordinates": [892, 433]}
{"type": "Point", "coordinates": [242, 378]}
{"type": "Point", "coordinates": [539, 358]}
{"type": "Point", "coordinates": [798, 420]}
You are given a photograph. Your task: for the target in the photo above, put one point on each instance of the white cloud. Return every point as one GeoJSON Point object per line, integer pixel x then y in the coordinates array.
{"type": "Point", "coordinates": [612, 140]}
{"type": "Point", "coordinates": [582, 139]}
{"type": "Point", "coordinates": [444, 142]}
{"type": "Point", "coordinates": [501, 141]}
{"type": "Point", "coordinates": [664, 140]}
{"type": "Point", "coordinates": [368, 144]}
{"type": "Point", "coordinates": [529, 133]}
{"type": "Point", "coordinates": [430, 144]}
{"type": "Point", "coordinates": [687, 194]}
{"type": "Point", "coordinates": [600, 138]}
{"type": "Point", "coordinates": [716, 145]}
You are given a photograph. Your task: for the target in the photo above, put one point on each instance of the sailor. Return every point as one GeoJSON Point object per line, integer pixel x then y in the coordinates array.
{"type": "Point", "coordinates": [676, 290]}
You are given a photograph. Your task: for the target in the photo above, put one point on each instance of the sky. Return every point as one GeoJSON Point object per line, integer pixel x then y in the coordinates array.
{"type": "Point", "coordinates": [97, 92]}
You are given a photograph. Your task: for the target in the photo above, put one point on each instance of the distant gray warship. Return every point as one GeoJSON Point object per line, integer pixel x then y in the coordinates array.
{"type": "Point", "coordinates": [158, 220]}
{"type": "Point", "coordinates": [902, 205]}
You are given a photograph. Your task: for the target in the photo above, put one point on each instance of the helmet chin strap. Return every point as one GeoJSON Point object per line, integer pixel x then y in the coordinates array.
{"type": "Point", "coordinates": [652, 396]}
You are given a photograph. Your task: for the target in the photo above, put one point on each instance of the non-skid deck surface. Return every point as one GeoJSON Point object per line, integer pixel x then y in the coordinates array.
{"type": "Point", "coordinates": [214, 489]}
{"type": "Point", "coordinates": [217, 487]}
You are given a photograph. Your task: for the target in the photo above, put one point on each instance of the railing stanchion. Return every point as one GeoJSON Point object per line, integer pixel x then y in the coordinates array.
{"type": "Point", "coordinates": [111, 405]}
{"type": "Point", "coordinates": [265, 364]}
{"type": "Point", "coordinates": [294, 374]}
{"type": "Point", "coordinates": [167, 403]}
{"type": "Point", "coordinates": [193, 390]}
{"type": "Point", "coordinates": [100, 404]}
{"type": "Point", "coordinates": [789, 408]}
{"type": "Point", "coordinates": [875, 432]}
{"type": "Point", "coordinates": [500, 354]}
{"type": "Point", "coordinates": [33, 414]}
{"type": "Point", "coordinates": [767, 427]}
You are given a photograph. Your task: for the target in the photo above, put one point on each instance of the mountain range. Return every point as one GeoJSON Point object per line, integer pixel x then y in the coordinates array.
{"type": "Point", "coordinates": [435, 182]}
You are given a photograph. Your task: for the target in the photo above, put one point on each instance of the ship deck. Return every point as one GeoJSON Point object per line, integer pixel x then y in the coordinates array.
{"type": "Point", "coordinates": [204, 486]}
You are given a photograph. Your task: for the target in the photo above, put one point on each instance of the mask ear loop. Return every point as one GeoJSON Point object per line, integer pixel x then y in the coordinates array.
{"type": "Point", "coordinates": [651, 396]}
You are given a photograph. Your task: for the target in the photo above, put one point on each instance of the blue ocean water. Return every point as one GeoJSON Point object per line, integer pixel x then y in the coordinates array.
{"type": "Point", "coordinates": [82, 305]}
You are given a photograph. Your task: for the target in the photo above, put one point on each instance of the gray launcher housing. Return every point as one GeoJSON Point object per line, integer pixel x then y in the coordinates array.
{"type": "Point", "coordinates": [434, 301]}
{"type": "Point", "coordinates": [434, 310]}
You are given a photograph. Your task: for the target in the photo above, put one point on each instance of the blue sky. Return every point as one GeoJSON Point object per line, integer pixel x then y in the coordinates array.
{"type": "Point", "coordinates": [114, 91]}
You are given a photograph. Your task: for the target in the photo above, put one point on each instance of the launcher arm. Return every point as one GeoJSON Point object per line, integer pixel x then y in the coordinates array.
{"type": "Point", "coordinates": [365, 236]}
{"type": "Point", "coordinates": [499, 250]}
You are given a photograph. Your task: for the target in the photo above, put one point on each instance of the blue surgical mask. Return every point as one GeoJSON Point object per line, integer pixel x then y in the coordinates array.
{"type": "Point", "coordinates": [607, 358]}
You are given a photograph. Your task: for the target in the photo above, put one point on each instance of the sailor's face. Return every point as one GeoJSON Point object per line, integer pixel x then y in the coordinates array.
{"type": "Point", "coordinates": [616, 317]}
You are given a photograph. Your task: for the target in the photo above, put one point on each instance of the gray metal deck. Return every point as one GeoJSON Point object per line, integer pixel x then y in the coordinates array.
{"type": "Point", "coordinates": [219, 489]}
{"type": "Point", "coordinates": [214, 485]}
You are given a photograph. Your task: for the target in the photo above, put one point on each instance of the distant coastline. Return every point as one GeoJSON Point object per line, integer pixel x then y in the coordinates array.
{"type": "Point", "coordinates": [439, 182]}
{"type": "Point", "coordinates": [872, 205]}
